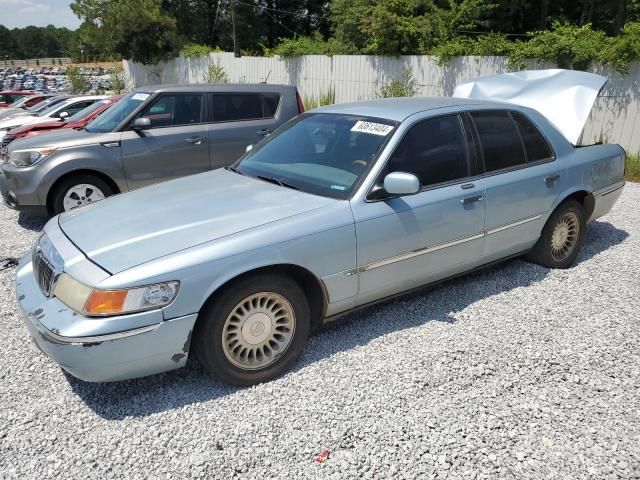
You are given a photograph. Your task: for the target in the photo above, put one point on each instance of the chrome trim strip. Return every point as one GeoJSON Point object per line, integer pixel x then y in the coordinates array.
{"type": "Point", "coordinates": [611, 188]}
{"type": "Point", "coordinates": [416, 253]}
{"type": "Point", "coordinates": [87, 340]}
{"type": "Point", "coordinates": [514, 224]}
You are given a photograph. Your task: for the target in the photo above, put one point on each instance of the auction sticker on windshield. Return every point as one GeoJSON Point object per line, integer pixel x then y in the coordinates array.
{"type": "Point", "coordinates": [140, 96]}
{"type": "Point", "coordinates": [371, 127]}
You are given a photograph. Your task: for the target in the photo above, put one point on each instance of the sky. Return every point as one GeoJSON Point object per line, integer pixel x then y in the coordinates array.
{"type": "Point", "coordinates": [20, 13]}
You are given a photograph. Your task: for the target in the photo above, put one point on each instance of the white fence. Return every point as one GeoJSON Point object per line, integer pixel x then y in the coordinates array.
{"type": "Point", "coordinates": [615, 117]}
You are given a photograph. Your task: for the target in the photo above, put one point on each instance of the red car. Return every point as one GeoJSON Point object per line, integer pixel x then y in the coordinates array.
{"type": "Point", "coordinates": [79, 120]}
{"type": "Point", "coordinates": [8, 97]}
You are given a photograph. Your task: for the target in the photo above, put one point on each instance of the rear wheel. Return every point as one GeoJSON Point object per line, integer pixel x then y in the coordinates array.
{"type": "Point", "coordinates": [254, 330]}
{"type": "Point", "coordinates": [561, 238]}
{"type": "Point", "coordinates": [78, 191]}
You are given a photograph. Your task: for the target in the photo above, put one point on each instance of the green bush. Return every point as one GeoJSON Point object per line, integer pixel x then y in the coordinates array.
{"type": "Point", "coordinates": [316, 45]}
{"type": "Point", "coordinates": [117, 78]}
{"type": "Point", "coordinates": [195, 50]}
{"type": "Point", "coordinates": [215, 74]}
{"type": "Point", "coordinates": [403, 86]}
{"type": "Point", "coordinates": [567, 46]}
{"type": "Point", "coordinates": [78, 82]}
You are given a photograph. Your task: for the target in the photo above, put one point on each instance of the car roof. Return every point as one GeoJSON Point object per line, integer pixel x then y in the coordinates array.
{"type": "Point", "coordinates": [398, 109]}
{"type": "Point", "coordinates": [217, 87]}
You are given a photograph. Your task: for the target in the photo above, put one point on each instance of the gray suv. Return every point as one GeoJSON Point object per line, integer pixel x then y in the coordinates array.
{"type": "Point", "coordinates": [151, 135]}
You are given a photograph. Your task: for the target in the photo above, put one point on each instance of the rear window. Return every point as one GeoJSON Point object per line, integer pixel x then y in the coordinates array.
{"type": "Point", "coordinates": [229, 107]}
{"type": "Point", "coordinates": [499, 140]}
{"type": "Point", "coordinates": [535, 144]}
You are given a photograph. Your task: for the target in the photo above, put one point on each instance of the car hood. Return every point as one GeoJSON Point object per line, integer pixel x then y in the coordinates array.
{"type": "Point", "coordinates": [13, 122]}
{"type": "Point", "coordinates": [61, 138]}
{"type": "Point", "coordinates": [564, 97]}
{"type": "Point", "coordinates": [41, 126]}
{"type": "Point", "coordinates": [131, 229]}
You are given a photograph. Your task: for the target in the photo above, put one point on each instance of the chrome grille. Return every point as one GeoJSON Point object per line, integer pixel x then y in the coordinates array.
{"type": "Point", "coordinates": [44, 273]}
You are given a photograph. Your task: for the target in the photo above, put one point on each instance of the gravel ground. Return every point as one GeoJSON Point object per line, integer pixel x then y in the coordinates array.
{"type": "Point", "coordinates": [513, 372]}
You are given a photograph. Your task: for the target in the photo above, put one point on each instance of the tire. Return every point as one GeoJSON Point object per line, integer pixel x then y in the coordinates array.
{"type": "Point", "coordinates": [100, 190]}
{"type": "Point", "coordinates": [561, 238]}
{"type": "Point", "coordinates": [241, 344]}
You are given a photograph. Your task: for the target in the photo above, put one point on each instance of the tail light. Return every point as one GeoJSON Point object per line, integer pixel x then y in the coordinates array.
{"type": "Point", "coordinates": [300, 104]}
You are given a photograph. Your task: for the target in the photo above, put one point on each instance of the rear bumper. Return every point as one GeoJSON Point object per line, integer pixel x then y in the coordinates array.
{"type": "Point", "coordinates": [605, 199]}
{"type": "Point", "coordinates": [155, 345]}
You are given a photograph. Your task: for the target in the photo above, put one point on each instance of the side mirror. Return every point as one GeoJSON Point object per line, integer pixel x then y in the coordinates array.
{"type": "Point", "coordinates": [401, 183]}
{"type": "Point", "coordinates": [142, 123]}
{"type": "Point", "coordinates": [248, 149]}
{"type": "Point", "coordinates": [63, 115]}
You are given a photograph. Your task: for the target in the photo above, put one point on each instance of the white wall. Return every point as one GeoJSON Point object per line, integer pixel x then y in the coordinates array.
{"type": "Point", "coordinates": [615, 116]}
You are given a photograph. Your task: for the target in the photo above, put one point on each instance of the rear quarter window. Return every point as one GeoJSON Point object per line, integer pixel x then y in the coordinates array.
{"type": "Point", "coordinates": [230, 107]}
{"type": "Point", "coordinates": [499, 140]}
{"type": "Point", "coordinates": [535, 144]}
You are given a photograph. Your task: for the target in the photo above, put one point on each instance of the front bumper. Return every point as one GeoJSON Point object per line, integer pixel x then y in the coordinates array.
{"type": "Point", "coordinates": [19, 192]}
{"type": "Point", "coordinates": [155, 345]}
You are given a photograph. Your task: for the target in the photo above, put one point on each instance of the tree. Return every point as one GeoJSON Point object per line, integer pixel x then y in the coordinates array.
{"type": "Point", "coordinates": [140, 30]}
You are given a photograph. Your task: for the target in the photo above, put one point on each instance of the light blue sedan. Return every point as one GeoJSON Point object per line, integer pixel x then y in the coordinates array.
{"type": "Point", "coordinates": [341, 207]}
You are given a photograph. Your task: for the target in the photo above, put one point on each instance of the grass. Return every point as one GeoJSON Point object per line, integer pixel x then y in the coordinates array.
{"type": "Point", "coordinates": [327, 98]}
{"type": "Point", "coordinates": [632, 170]}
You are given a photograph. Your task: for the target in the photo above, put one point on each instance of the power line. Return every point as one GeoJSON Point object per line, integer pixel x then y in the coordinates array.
{"type": "Point", "coordinates": [259, 7]}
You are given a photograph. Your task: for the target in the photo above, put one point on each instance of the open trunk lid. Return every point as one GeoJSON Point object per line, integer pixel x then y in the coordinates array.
{"type": "Point", "coordinates": [564, 97]}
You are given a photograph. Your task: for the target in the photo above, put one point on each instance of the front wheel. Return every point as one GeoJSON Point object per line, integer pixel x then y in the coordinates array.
{"type": "Point", "coordinates": [254, 330]}
{"type": "Point", "coordinates": [561, 238]}
{"type": "Point", "coordinates": [78, 191]}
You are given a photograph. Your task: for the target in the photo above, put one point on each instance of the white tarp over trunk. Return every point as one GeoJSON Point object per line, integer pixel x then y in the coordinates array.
{"type": "Point", "coordinates": [564, 97]}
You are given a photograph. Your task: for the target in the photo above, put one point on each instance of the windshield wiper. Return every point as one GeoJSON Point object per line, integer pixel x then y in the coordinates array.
{"type": "Point", "coordinates": [277, 181]}
{"type": "Point", "coordinates": [233, 169]}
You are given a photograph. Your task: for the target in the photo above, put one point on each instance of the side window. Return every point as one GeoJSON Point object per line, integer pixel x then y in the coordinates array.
{"type": "Point", "coordinates": [499, 140]}
{"type": "Point", "coordinates": [228, 107]}
{"type": "Point", "coordinates": [174, 110]}
{"type": "Point", "coordinates": [434, 150]}
{"type": "Point", "coordinates": [270, 103]}
{"type": "Point", "coordinates": [535, 144]}
{"type": "Point", "coordinates": [75, 108]}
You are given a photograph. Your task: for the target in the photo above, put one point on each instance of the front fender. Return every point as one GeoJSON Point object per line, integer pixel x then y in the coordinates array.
{"type": "Point", "coordinates": [96, 158]}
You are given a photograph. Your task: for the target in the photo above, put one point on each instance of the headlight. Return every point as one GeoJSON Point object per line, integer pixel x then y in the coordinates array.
{"type": "Point", "coordinates": [26, 158]}
{"type": "Point", "coordinates": [101, 303]}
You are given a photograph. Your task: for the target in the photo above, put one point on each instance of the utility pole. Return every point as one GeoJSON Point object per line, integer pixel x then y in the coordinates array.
{"type": "Point", "coordinates": [236, 45]}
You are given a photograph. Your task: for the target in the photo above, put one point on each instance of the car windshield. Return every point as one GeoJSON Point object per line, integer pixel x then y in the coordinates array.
{"type": "Point", "coordinates": [85, 112]}
{"type": "Point", "coordinates": [321, 153]}
{"type": "Point", "coordinates": [110, 119]}
{"type": "Point", "coordinates": [52, 108]}
{"type": "Point", "coordinates": [20, 103]}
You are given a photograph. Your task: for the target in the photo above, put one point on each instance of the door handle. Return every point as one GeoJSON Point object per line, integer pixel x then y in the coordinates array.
{"type": "Point", "coordinates": [467, 186]}
{"type": "Point", "coordinates": [264, 132]}
{"type": "Point", "coordinates": [472, 199]}
{"type": "Point", "coordinates": [551, 178]}
{"type": "Point", "coordinates": [196, 140]}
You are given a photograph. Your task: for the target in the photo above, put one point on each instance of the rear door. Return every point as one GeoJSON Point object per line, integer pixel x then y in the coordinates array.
{"type": "Point", "coordinates": [174, 146]}
{"type": "Point", "coordinates": [239, 119]}
{"type": "Point", "coordinates": [521, 176]}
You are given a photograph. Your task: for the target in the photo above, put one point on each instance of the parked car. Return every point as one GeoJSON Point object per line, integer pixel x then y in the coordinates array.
{"type": "Point", "coordinates": [341, 207]}
{"type": "Point", "coordinates": [60, 110]}
{"type": "Point", "coordinates": [44, 100]}
{"type": "Point", "coordinates": [77, 121]}
{"type": "Point", "coordinates": [151, 135]}
{"type": "Point", "coordinates": [10, 96]}
{"type": "Point", "coordinates": [29, 100]}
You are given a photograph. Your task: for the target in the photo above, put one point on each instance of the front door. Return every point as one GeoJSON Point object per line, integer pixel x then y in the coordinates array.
{"type": "Point", "coordinates": [408, 241]}
{"type": "Point", "coordinates": [175, 145]}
